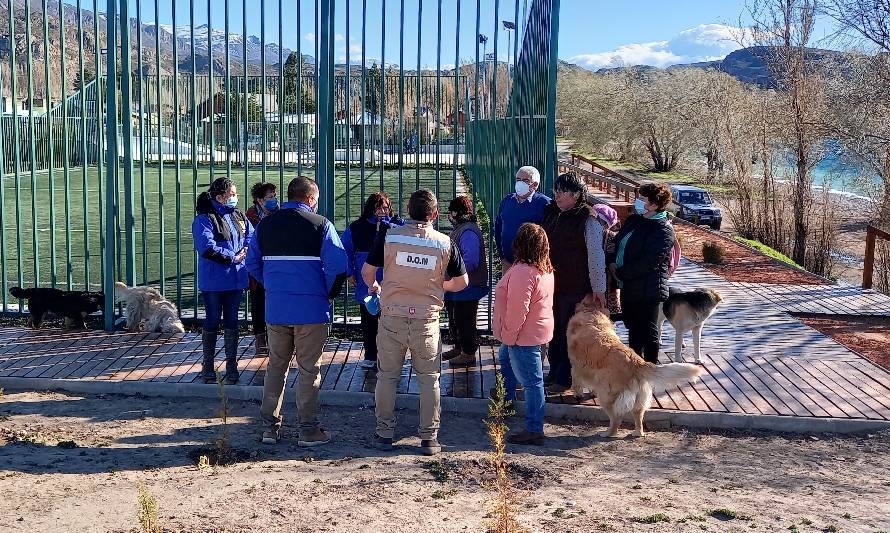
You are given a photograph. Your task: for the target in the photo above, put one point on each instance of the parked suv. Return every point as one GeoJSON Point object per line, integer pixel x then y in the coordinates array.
{"type": "Point", "coordinates": [695, 205]}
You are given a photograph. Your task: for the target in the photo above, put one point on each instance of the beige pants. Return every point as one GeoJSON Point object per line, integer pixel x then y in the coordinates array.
{"type": "Point", "coordinates": [395, 336]}
{"type": "Point", "coordinates": [307, 340]}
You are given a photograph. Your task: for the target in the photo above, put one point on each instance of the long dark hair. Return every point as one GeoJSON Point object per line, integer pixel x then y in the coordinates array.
{"type": "Point", "coordinates": [219, 186]}
{"type": "Point", "coordinates": [374, 201]}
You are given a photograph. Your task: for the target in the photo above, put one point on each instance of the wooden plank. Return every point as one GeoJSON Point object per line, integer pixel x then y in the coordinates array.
{"type": "Point", "coordinates": [806, 383]}
{"type": "Point", "coordinates": [350, 367]}
{"type": "Point", "coordinates": [794, 387]}
{"type": "Point", "coordinates": [874, 372]}
{"type": "Point", "coordinates": [336, 366]}
{"type": "Point", "coordinates": [124, 365]}
{"type": "Point", "coordinates": [132, 343]}
{"type": "Point", "coordinates": [866, 404]}
{"type": "Point", "coordinates": [784, 402]}
{"type": "Point", "coordinates": [488, 367]}
{"type": "Point", "coordinates": [178, 361]}
{"type": "Point", "coordinates": [868, 386]}
{"type": "Point", "coordinates": [37, 356]}
{"type": "Point", "coordinates": [738, 396]}
{"type": "Point", "coordinates": [824, 384]}
{"type": "Point", "coordinates": [70, 362]}
{"type": "Point", "coordinates": [83, 345]}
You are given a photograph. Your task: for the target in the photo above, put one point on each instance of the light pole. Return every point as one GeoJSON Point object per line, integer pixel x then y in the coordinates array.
{"type": "Point", "coordinates": [484, 40]}
{"type": "Point", "coordinates": [510, 27]}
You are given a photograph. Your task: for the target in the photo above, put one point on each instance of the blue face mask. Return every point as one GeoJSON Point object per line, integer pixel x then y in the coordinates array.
{"type": "Point", "coordinates": [232, 201]}
{"type": "Point", "coordinates": [640, 206]}
{"type": "Point", "coordinates": [271, 204]}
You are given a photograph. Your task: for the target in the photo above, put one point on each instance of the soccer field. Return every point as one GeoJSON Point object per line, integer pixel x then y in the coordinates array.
{"type": "Point", "coordinates": [64, 221]}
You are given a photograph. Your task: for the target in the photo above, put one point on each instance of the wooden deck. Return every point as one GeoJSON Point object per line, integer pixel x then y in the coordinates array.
{"type": "Point", "coordinates": [759, 361]}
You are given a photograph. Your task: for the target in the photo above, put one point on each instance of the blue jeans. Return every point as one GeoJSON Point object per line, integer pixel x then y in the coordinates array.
{"type": "Point", "coordinates": [221, 304]}
{"type": "Point", "coordinates": [523, 364]}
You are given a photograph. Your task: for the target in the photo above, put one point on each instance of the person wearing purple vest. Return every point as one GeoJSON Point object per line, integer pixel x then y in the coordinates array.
{"type": "Point", "coordinates": [463, 305]}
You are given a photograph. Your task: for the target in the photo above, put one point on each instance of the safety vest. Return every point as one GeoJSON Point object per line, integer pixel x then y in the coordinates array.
{"type": "Point", "coordinates": [415, 257]}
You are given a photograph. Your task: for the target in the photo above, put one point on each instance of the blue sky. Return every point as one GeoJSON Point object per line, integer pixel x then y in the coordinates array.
{"type": "Point", "coordinates": [593, 33]}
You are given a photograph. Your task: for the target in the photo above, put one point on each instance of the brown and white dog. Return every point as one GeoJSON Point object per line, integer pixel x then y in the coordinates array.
{"type": "Point", "coordinates": [620, 379]}
{"type": "Point", "coordinates": [146, 303]}
{"type": "Point", "coordinates": [688, 311]}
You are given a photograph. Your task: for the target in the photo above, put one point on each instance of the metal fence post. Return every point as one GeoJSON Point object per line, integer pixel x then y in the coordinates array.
{"type": "Point", "coordinates": [111, 162]}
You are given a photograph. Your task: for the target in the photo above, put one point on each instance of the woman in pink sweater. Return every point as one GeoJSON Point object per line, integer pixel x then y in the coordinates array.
{"type": "Point", "coordinates": [523, 321]}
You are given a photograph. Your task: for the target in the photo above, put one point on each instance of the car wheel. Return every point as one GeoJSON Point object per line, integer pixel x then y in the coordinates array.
{"type": "Point", "coordinates": [715, 226]}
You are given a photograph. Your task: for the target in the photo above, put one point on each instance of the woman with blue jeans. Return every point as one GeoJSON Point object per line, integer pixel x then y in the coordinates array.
{"type": "Point", "coordinates": [222, 234]}
{"type": "Point", "coordinates": [523, 321]}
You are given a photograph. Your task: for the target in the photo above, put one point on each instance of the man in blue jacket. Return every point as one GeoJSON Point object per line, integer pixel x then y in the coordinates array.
{"type": "Point", "coordinates": [526, 204]}
{"type": "Point", "coordinates": [297, 256]}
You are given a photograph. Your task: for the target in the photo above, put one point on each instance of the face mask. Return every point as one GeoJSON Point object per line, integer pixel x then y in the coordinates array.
{"type": "Point", "coordinates": [522, 188]}
{"type": "Point", "coordinates": [232, 201]}
{"type": "Point", "coordinates": [640, 206]}
{"type": "Point", "coordinates": [271, 204]}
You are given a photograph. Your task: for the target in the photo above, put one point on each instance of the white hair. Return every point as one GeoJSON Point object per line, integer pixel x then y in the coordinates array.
{"type": "Point", "coordinates": [530, 172]}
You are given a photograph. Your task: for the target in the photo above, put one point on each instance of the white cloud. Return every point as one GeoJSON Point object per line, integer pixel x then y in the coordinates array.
{"type": "Point", "coordinates": [338, 37]}
{"type": "Point", "coordinates": [310, 37]}
{"type": "Point", "coordinates": [706, 42]}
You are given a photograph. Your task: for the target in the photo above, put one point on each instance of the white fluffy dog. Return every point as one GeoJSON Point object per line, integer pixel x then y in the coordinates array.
{"type": "Point", "coordinates": [146, 303]}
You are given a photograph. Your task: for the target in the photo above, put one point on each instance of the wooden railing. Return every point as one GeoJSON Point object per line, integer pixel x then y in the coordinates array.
{"type": "Point", "coordinates": [616, 187]}
{"type": "Point", "coordinates": [871, 236]}
{"type": "Point", "coordinates": [578, 159]}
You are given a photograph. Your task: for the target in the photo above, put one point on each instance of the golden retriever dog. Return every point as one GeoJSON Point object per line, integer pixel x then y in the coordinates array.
{"type": "Point", "coordinates": [622, 381]}
{"type": "Point", "coordinates": [146, 303]}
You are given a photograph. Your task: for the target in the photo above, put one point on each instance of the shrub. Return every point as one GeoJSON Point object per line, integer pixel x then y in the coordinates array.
{"type": "Point", "coordinates": [712, 252]}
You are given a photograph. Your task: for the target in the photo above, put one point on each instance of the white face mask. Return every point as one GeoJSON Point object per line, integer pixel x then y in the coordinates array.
{"type": "Point", "coordinates": [522, 188]}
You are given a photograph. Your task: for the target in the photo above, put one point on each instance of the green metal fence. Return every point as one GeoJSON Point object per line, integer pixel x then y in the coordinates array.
{"type": "Point", "coordinates": [99, 179]}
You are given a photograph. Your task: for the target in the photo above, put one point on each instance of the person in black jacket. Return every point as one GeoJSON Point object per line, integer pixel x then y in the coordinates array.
{"type": "Point", "coordinates": [641, 263]}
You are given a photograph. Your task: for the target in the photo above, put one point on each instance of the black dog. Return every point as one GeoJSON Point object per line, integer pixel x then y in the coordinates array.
{"type": "Point", "coordinates": [73, 305]}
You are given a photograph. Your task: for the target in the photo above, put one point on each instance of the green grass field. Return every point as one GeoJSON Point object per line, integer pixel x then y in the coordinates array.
{"type": "Point", "coordinates": [163, 231]}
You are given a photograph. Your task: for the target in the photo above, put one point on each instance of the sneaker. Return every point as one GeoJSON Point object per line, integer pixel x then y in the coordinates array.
{"type": "Point", "coordinates": [450, 354]}
{"type": "Point", "coordinates": [313, 437]}
{"type": "Point", "coordinates": [526, 437]}
{"type": "Point", "coordinates": [270, 436]}
{"type": "Point", "coordinates": [368, 364]}
{"type": "Point", "coordinates": [430, 447]}
{"type": "Point", "coordinates": [381, 443]}
{"type": "Point", "coordinates": [464, 359]}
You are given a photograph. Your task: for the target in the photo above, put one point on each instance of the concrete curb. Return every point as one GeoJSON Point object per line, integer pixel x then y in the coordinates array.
{"type": "Point", "coordinates": [655, 419]}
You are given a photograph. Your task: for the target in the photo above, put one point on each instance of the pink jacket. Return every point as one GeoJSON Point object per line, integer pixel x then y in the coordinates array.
{"type": "Point", "coordinates": [523, 307]}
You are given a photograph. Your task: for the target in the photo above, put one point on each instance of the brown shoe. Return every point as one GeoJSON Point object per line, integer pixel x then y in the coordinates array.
{"type": "Point", "coordinates": [450, 354]}
{"type": "Point", "coordinates": [313, 437]}
{"type": "Point", "coordinates": [261, 344]}
{"type": "Point", "coordinates": [464, 359]}
{"type": "Point", "coordinates": [526, 437]}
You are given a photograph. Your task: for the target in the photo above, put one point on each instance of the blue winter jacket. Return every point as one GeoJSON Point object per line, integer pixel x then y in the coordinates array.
{"type": "Point", "coordinates": [358, 239]}
{"type": "Point", "coordinates": [297, 256]}
{"type": "Point", "coordinates": [219, 233]}
{"type": "Point", "coordinates": [511, 215]}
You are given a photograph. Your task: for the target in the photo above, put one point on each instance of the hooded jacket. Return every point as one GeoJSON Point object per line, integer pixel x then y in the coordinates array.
{"type": "Point", "coordinates": [220, 233]}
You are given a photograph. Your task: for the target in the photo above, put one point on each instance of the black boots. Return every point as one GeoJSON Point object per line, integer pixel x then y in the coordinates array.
{"type": "Point", "coordinates": [231, 345]}
{"type": "Point", "coordinates": [208, 340]}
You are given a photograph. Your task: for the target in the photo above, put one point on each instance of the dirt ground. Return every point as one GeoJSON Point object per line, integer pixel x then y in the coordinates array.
{"type": "Point", "coordinates": [739, 263]}
{"type": "Point", "coordinates": [867, 335]}
{"type": "Point", "coordinates": [669, 481]}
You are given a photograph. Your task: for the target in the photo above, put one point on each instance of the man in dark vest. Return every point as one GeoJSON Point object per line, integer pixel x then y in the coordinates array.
{"type": "Point", "coordinates": [299, 259]}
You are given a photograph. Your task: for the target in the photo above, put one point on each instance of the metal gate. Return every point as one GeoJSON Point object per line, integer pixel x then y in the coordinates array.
{"type": "Point", "coordinates": [116, 114]}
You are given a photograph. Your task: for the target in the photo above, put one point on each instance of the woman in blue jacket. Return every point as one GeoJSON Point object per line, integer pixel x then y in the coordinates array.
{"type": "Point", "coordinates": [222, 234]}
{"type": "Point", "coordinates": [358, 239]}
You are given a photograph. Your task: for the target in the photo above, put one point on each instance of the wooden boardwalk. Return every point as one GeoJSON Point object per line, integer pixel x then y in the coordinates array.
{"type": "Point", "coordinates": [759, 361]}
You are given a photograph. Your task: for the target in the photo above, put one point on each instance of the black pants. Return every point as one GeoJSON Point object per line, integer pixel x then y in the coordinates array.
{"type": "Point", "coordinates": [558, 351]}
{"type": "Point", "coordinates": [641, 321]}
{"type": "Point", "coordinates": [369, 333]}
{"type": "Point", "coordinates": [258, 309]}
{"type": "Point", "coordinates": [462, 324]}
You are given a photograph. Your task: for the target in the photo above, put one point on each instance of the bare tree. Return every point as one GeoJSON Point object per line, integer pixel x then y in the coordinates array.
{"type": "Point", "coordinates": [785, 27]}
